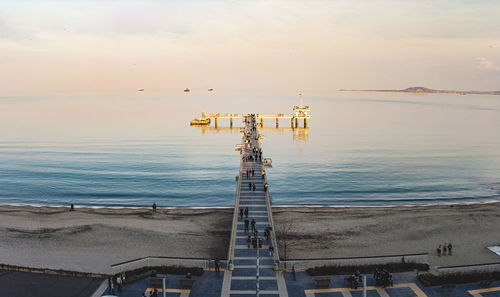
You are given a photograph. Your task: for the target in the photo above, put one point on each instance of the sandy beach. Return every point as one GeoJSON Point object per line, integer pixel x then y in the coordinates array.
{"type": "Point", "coordinates": [91, 239]}
{"type": "Point", "coordinates": [373, 231]}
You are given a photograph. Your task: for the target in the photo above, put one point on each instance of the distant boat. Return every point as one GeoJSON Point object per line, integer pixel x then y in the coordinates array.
{"type": "Point", "coordinates": [187, 90]}
{"type": "Point", "coordinates": [140, 90]}
{"type": "Point", "coordinates": [210, 89]}
{"type": "Point", "coordinates": [200, 122]}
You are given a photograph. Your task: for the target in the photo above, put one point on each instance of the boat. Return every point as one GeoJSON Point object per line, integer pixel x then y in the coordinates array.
{"type": "Point", "coordinates": [210, 89]}
{"type": "Point", "coordinates": [140, 90]}
{"type": "Point", "coordinates": [200, 122]}
{"type": "Point", "coordinates": [187, 90]}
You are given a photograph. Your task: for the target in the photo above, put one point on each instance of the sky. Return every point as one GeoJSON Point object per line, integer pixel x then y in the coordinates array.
{"type": "Point", "coordinates": [52, 47]}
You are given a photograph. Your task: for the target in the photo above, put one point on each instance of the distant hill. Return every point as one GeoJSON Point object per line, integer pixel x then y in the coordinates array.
{"type": "Point", "coordinates": [423, 90]}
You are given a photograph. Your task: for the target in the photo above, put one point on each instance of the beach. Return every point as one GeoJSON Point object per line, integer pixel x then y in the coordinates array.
{"type": "Point", "coordinates": [333, 232]}
{"type": "Point", "coordinates": [92, 239]}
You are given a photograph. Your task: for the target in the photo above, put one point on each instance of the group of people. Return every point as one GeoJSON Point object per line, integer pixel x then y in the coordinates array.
{"type": "Point", "coordinates": [250, 171]}
{"type": "Point", "coordinates": [243, 211]}
{"type": "Point", "coordinates": [443, 249]}
{"type": "Point", "coordinates": [248, 158]}
{"type": "Point", "coordinates": [354, 280]}
{"type": "Point", "coordinates": [119, 280]}
{"type": "Point", "coordinates": [382, 277]}
{"type": "Point", "coordinates": [252, 186]}
{"type": "Point", "coordinates": [257, 153]}
{"type": "Point", "coordinates": [248, 223]}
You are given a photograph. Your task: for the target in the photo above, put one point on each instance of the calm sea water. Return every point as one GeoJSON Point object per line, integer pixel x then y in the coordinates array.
{"type": "Point", "coordinates": [360, 149]}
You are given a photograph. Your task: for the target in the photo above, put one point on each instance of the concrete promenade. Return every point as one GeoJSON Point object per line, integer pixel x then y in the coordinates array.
{"type": "Point", "coordinates": [252, 269]}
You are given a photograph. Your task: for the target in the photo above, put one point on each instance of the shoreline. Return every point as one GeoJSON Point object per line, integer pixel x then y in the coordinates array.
{"type": "Point", "coordinates": [80, 207]}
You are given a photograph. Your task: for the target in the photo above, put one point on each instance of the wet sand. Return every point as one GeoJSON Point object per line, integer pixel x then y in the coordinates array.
{"type": "Point", "coordinates": [91, 239]}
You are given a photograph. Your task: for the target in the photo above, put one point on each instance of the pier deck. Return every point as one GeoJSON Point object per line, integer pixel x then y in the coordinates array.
{"type": "Point", "coordinates": [252, 271]}
{"type": "Point", "coordinates": [300, 112]}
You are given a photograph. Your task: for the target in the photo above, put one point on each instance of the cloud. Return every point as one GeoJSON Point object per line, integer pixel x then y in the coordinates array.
{"type": "Point", "coordinates": [488, 65]}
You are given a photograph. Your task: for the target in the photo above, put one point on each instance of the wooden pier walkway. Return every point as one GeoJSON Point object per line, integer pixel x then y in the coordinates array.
{"type": "Point", "coordinates": [252, 271]}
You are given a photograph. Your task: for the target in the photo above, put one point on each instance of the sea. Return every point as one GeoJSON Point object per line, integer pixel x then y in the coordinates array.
{"type": "Point", "coordinates": [359, 149]}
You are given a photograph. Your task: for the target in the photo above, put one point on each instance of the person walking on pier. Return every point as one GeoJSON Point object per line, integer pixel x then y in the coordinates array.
{"type": "Point", "coordinates": [249, 186]}
{"type": "Point", "coordinates": [246, 224]}
{"type": "Point", "coordinates": [271, 250]}
{"type": "Point", "coordinates": [247, 173]}
{"type": "Point", "coordinates": [254, 186]}
{"type": "Point", "coordinates": [241, 212]}
{"type": "Point", "coordinates": [263, 174]}
{"type": "Point", "coordinates": [253, 172]}
{"type": "Point", "coordinates": [253, 224]}
{"type": "Point", "coordinates": [246, 212]}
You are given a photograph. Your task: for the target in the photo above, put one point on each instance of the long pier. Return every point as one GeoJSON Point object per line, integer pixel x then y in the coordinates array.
{"type": "Point", "coordinates": [300, 112]}
{"type": "Point", "coordinates": [253, 269]}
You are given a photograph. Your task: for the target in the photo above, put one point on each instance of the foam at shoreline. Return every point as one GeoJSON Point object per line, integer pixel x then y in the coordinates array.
{"type": "Point", "coordinates": [311, 206]}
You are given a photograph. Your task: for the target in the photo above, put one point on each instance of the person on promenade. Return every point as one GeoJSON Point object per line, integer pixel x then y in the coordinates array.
{"type": "Point", "coordinates": [241, 212]}
{"type": "Point", "coordinates": [247, 173]}
{"type": "Point", "coordinates": [217, 267]}
{"type": "Point", "coordinates": [111, 286]}
{"type": "Point", "coordinates": [253, 224]}
{"type": "Point", "coordinates": [263, 174]}
{"type": "Point", "coordinates": [246, 212]}
{"type": "Point", "coordinates": [246, 224]}
{"type": "Point", "coordinates": [72, 207]}
{"type": "Point", "coordinates": [439, 250]}
{"type": "Point", "coordinates": [154, 206]}
{"type": "Point", "coordinates": [445, 247]}
{"type": "Point", "coordinates": [249, 186]}
{"type": "Point", "coordinates": [254, 186]}
{"type": "Point", "coordinates": [249, 239]}
{"type": "Point", "coordinates": [449, 248]}
{"type": "Point", "coordinates": [271, 250]}
{"type": "Point", "coordinates": [119, 282]}
{"type": "Point", "coordinates": [266, 185]}
{"type": "Point", "coordinates": [253, 172]}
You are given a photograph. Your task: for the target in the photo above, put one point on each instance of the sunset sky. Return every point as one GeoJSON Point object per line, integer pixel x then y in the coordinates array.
{"type": "Point", "coordinates": [247, 46]}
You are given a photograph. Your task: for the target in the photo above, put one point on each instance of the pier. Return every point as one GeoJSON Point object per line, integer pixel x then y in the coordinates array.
{"type": "Point", "coordinates": [300, 113]}
{"type": "Point", "coordinates": [252, 269]}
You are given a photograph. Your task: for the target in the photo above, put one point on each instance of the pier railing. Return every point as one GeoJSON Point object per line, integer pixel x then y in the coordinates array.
{"type": "Point", "coordinates": [487, 267]}
{"type": "Point", "coordinates": [274, 240]}
{"type": "Point", "coordinates": [353, 261]}
{"type": "Point", "coordinates": [235, 215]}
{"type": "Point", "coordinates": [157, 261]}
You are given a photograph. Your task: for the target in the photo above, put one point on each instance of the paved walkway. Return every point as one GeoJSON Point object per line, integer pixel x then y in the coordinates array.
{"type": "Point", "coordinates": [253, 267]}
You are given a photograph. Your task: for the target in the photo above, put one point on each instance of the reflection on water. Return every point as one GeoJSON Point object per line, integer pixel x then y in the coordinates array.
{"type": "Point", "coordinates": [299, 134]}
